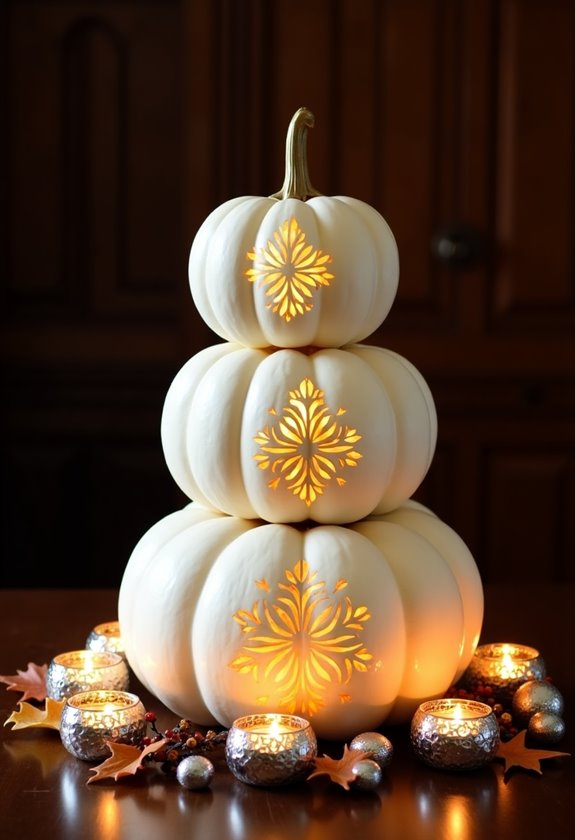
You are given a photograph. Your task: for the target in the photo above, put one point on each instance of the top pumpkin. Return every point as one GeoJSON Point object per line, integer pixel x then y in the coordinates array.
{"type": "Point", "coordinates": [297, 268]}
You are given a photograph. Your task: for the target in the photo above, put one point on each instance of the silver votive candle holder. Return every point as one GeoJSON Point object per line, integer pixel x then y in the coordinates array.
{"type": "Point", "coordinates": [453, 734]}
{"type": "Point", "coordinates": [270, 749]}
{"type": "Point", "coordinates": [106, 637]}
{"type": "Point", "coordinates": [91, 718]}
{"type": "Point", "coordinates": [82, 670]}
{"type": "Point", "coordinates": [504, 666]}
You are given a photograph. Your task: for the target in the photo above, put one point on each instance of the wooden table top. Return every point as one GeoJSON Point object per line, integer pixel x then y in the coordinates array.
{"type": "Point", "coordinates": [43, 791]}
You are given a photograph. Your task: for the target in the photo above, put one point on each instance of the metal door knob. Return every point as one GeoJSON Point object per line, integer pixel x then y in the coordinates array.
{"type": "Point", "coordinates": [457, 245]}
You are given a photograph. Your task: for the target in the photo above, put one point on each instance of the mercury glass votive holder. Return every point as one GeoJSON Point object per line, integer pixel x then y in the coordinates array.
{"type": "Point", "coordinates": [82, 670]}
{"type": "Point", "coordinates": [90, 718]}
{"type": "Point", "coordinates": [270, 749]}
{"type": "Point", "coordinates": [453, 734]}
{"type": "Point", "coordinates": [504, 667]}
{"type": "Point", "coordinates": [106, 637]}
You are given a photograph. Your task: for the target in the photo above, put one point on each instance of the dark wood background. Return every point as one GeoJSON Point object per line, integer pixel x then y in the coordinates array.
{"type": "Point", "coordinates": [125, 122]}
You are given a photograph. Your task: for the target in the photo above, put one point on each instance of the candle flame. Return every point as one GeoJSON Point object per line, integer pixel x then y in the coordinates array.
{"type": "Point", "coordinates": [274, 728]}
{"type": "Point", "coordinates": [88, 661]}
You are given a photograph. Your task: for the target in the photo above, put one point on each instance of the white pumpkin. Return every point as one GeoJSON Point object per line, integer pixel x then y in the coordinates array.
{"type": "Point", "coordinates": [297, 268]}
{"type": "Point", "coordinates": [347, 626]}
{"type": "Point", "coordinates": [287, 436]}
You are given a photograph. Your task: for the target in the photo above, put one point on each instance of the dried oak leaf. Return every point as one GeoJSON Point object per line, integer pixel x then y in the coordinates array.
{"type": "Point", "coordinates": [124, 761]}
{"type": "Point", "coordinates": [32, 682]}
{"type": "Point", "coordinates": [515, 754]}
{"type": "Point", "coordinates": [30, 716]}
{"type": "Point", "coordinates": [339, 769]}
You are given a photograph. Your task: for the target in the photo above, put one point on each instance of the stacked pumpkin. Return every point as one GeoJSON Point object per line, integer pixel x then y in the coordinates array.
{"type": "Point", "coordinates": [301, 579]}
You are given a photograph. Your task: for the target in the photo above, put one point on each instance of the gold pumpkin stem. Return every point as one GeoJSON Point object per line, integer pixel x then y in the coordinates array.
{"type": "Point", "coordinates": [296, 181]}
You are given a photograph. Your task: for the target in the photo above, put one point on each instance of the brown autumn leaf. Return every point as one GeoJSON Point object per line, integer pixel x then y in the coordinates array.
{"type": "Point", "coordinates": [32, 682]}
{"type": "Point", "coordinates": [515, 754]}
{"type": "Point", "coordinates": [339, 770]}
{"type": "Point", "coordinates": [124, 761]}
{"type": "Point", "coordinates": [29, 716]}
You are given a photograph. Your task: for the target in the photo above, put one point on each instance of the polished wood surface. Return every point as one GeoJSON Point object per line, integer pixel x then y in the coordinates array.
{"type": "Point", "coordinates": [43, 791]}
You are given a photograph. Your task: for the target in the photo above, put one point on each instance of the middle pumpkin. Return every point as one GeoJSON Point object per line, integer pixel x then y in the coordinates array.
{"type": "Point", "coordinates": [285, 436]}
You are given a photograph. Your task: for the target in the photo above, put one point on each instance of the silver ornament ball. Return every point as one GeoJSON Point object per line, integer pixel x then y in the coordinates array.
{"type": "Point", "coordinates": [195, 772]}
{"type": "Point", "coordinates": [377, 746]}
{"type": "Point", "coordinates": [546, 728]}
{"type": "Point", "coordinates": [367, 774]}
{"type": "Point", "coordinates": [536, 696]}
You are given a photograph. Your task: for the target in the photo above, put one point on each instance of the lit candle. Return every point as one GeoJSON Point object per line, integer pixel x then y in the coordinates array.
{"type": "Point", "coordinates": [81, 670]}
{"type": "Point", "coordinates": [504, 667]}
{"type": "Point", "coordinates": [92, 717]}
{"type": "Point", "coordinates": [454, 734]}
{"type": "Point", "coordinates": [106, 637]}
{"type": "Point", "coordinates": [270, 749]}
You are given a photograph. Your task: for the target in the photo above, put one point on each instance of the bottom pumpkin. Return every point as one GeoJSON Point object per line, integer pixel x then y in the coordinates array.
{"type": "Point", "coordinates": [347, 626]}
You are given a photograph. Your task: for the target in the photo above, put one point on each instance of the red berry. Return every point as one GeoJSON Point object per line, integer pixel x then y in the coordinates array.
{"type": "Point", "coordinates": [150, 717]}
{"type": "Point", "coordinates": [146, 742]}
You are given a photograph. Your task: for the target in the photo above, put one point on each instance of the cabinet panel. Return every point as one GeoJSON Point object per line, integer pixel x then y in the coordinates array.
{"type": "Point", "coordinates": [94, 139]}
{"type": "Point", "coordinates": [83, 476]}
{"type": "Point", "coordinates": [505, 469]}
{"type": "Point", "coordinates": [528, 498]}
{"type": "Point", "coordinates": [534, 284]}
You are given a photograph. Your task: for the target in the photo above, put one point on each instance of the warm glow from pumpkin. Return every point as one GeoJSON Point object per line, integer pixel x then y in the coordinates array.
{"type": "Point", "coordinates": [303, 641]}
{"type": "Point", "coordinates": [309, 445]}
{"type": "Point", "coordinates": [290, 269]}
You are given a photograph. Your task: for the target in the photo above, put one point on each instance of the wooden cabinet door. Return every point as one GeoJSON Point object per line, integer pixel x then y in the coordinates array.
{"type": "Point", "coordinates": [457, 121]}
{"type": "Point", "coordinates": [129, 122]}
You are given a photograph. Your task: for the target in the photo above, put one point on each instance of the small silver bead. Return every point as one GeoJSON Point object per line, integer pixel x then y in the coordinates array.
{"type": "Point", "coordinates": [378, 747]}
{"type": "Point", "coordinates": [536, 696]}
{"type": "Point", "coordinates": [195, 772]}
{"type": "Point", "coordinates": [367, 774]}
{"type": "Point", "coordinates": [546, 728]}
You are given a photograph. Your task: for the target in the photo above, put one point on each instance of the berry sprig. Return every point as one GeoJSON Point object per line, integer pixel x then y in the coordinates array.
{"type": "Point", "coordinates": [181, 741]}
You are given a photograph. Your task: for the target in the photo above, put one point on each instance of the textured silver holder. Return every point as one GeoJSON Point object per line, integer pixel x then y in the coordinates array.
{"type": "Point", "coordinates": [504, 667]}
{"type": "Point", "coordinates": [92, 717]}
{"type": "Point", "coordinates": [83, 670]}
{"type": "Point", "coordinates": [270, 749]}
{"type": "Point", "coordinates": [106, 637]}
{"type": "Point", "coordinates": [454, 734]}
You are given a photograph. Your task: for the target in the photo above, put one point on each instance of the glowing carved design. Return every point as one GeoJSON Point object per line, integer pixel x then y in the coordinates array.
{"type": "Point", "coordinates": [308, 446]}
{"type": "Point", "coordinates": [291, 269]}
{"type": "Point", "coordinates": [304, 641]}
